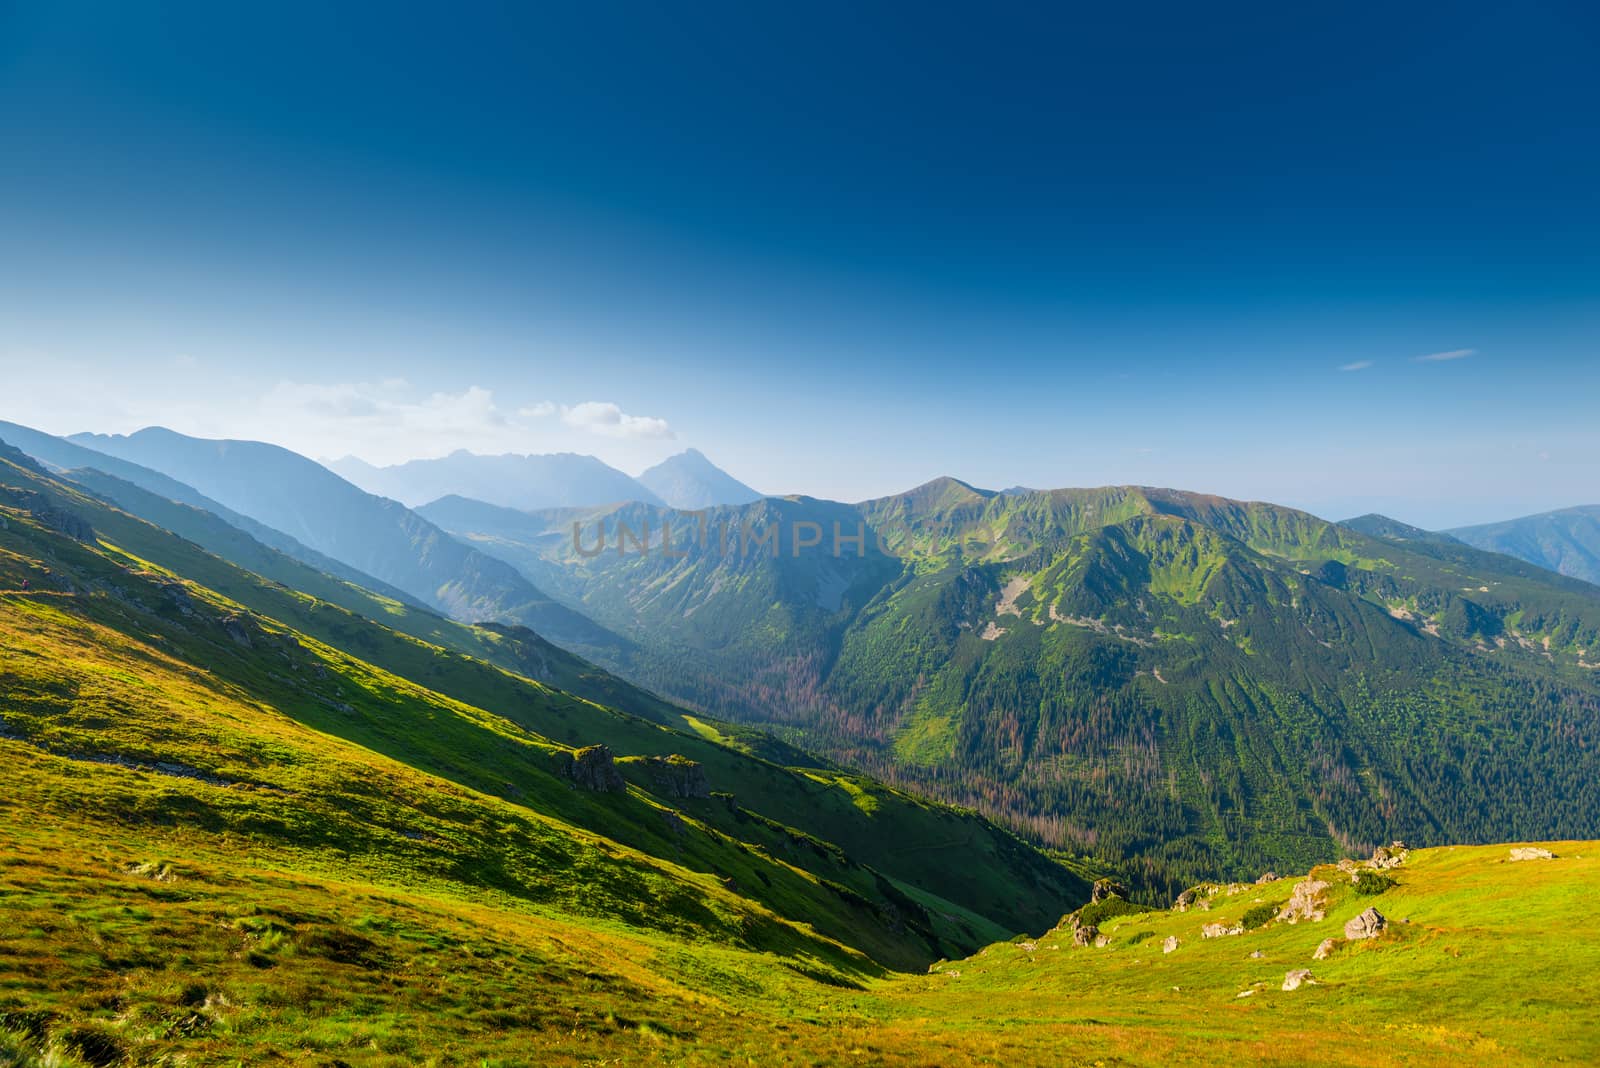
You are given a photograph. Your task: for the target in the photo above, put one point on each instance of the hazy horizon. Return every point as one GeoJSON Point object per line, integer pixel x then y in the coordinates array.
{"type": "Point", "coordinates": [1339, 263]}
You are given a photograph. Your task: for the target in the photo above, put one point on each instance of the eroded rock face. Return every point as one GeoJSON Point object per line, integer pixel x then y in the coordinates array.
{"type": "Point", "coordinates": [1306, 902]}
{"type": "Point", "coordinates": [1186, 899]}
{"type": "Point", "coordinates": [1369, 924]}
{"type": "Point", "coordinates": [1297, 978]}
{"type": "Point", "coordinates": [1085, 935]}
{"type": "Point", "coordinates": [238, 629]}
{"type": "Point", "coordinates": [591, 768]}
{"type": "Point", "coordinates": [1532, 853]}
{"type": "Point", "coordinates": [677, 776]}
{"type": "Point", "coordinates": [1104, 888]}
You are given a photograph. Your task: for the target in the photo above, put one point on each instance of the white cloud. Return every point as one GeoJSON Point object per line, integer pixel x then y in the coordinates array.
{"type": "Point", "coordinates": [537, 411]}
{"type": "Point", "coordinates": [1441, 357]}
{"type": "Point", "coordinates": [1359, 365]}
{"type": "Point", "coordinates": [607, 419]}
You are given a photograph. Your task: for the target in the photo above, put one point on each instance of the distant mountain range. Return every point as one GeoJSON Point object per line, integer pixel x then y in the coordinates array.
{"type": "Point", "coordinates": [556, 480]}
{"type": "Point", "coordinates": [379, 537]}
{"type": "Point", "coordinates": [1191, 683]}
{"type": "Point", "coordinates": [1567, 540]}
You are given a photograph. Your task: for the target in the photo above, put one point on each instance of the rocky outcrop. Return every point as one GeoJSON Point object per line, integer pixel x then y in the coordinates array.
{"type": "Point", "coordinates": [1104, 888]}
{"type": "Point", "coordinates": [1532, 853]}
{"type": "Point", "coordinates": [1369, 924]}
{"type": "Point", "coordinates": [676, 776]}
{"type": "Point", "coordinates": [44, 512]}
{"type": "Point", "coordinates": [1297, 978]}
{"type": "Point", "coordinates": [1169, 944]}
{"type": "Point", "coordinates": [590, 768]}
{"type": "Point", "coordinates": [1325, 949]}
{"type": "Point", "coordinates": [1306, 902]}
{"type": "Point", "coordinates": [1220, 930]}
{"type": "Point", "coordinates": [1085, 935]}
{"type": "Point", "coordinates": [236, 628]}
{"type": "Point", "coordinates": [1389, 856]}
{"type": "Point", "coordinates": [1267, 877]}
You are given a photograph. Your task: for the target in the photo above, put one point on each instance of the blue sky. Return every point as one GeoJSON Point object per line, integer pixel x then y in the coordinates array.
{"type": "Point", "coordinates": [840, 248]}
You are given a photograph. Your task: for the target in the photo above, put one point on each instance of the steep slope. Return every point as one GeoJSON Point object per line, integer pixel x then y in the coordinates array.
{"type": "Point", "coordinates": [690, 481]}
{"type": "Point", "coordinates": [63, 455]}
{"type": "Point", "coordinates": [911, 901]}
{"type": "Point", "coordinates": [1567, 541]}
{"type": "Point", "coordinates": [555, 480]}
{"type": "Point", "coordinates": [1201, 685]}
{"type": "Point", "coordinates": [377, 536]}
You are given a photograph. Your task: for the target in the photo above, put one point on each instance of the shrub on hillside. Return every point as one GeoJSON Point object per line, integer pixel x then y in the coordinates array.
{"type": "Point", "coordinates": [1372, 882]}
{"type": "Point", "coordinates": [1258, 916]}
{"type": "Point", "coordinates": [1108, 908]}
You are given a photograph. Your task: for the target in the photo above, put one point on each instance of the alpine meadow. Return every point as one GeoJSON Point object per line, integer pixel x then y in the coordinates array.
{"type": "Point", "coordinates": [738, 535]}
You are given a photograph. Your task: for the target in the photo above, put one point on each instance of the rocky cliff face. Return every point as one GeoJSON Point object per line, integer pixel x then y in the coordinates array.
{"type": "Point", "coordinates": [591, 768]}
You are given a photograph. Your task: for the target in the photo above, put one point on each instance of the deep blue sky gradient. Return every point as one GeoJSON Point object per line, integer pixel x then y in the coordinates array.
{"type": "Point", "coordinates": [840, 248]}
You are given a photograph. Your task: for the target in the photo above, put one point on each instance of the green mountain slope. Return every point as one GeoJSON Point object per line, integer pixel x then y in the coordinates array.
{"type": "Point", "coordinates": [116, 477]}
{"type": "Point", "coordinates": [375, 535]}
{"type": "Point", "coordinates": [850, 853]}
{"type": "Point", "coordinates": [1187, 684]}
{"type": "Point", "coordinates": [1567, 541]}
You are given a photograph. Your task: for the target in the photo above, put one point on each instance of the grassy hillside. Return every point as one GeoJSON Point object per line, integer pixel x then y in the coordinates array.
{"type": "Point", "coordinates": [151, 944]}
{"type": "Point", "coordinates": [1177, 685]}
{"type": "Point", "coordinates": [377, 536]}
{"type": "Point", "coordinates": [843, 852]}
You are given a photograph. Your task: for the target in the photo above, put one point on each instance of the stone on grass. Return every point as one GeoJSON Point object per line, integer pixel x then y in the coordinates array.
{"type": "Point", "coordinates": [1532, 853]}
{"type": "Point", "coordinates": [1169, 944]}
{"type": "Point", "coordinates": [1306, 902]}
{"type": "Point", "coordinates": [1325, 949]}
{"type": "Point", "coordinates": [1295, 979]}
{"type": "Point", "coordinates": [1369, 924]}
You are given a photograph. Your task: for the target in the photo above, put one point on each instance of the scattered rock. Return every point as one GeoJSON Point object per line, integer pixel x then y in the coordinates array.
{"type": "Point", "coordinates": [1295, 979]}
{"type": "Point", "coordinates": [1367, 925]}
{"type": "Point", "coordinates": [1104, 888]}
{"type": "Point", "coordinates": [1267, 877]}
{"type": "Point", "coordinates": [1102, 941]}
{"type": "Point", "coordinates": [1532, 853]}
{"type": "Point", "coordinates": [1306, 902]}
{"type": "Point", "coordinates": [591, 768]}
{"type": "Point", "coordinates": [1085, 935]}
{"type": "Point", "coordinates": [1325, 949]}
{"type": "Point", "coordinates": [1220, 930]}
{"type": "Point", "coordinates": [1169, 944]}
{"type": "Point", "coordinates": [1186, 899]}
{"type": "Point", "coordinates": [1245, 994]}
